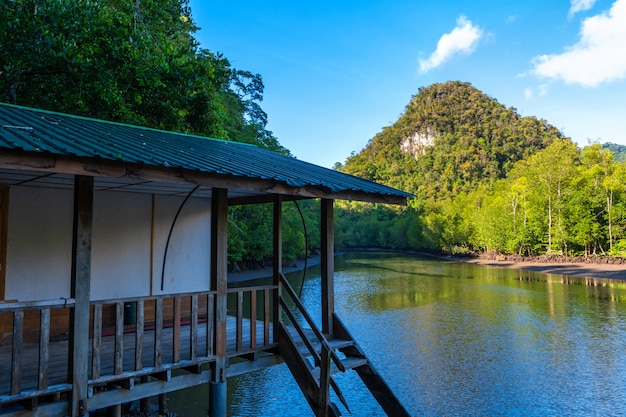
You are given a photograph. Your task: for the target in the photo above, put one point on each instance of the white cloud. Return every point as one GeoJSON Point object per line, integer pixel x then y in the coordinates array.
{"type": "Point", "coordinates": [463, 39]}
{"type": "Point", "coordinates": [598, 57]}
{"type": "Point", "coordinates": [528, 93]}
{"type": "Point", "coordinates": [580, 6]}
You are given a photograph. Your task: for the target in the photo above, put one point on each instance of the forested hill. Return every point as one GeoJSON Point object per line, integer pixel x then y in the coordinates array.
{"type": "Point", "coordinates": [451, 138]}
{"type": "Point", "coordinates": [487, 180]}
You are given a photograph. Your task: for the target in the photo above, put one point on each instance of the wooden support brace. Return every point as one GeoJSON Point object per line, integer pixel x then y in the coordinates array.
{"type": "Point", "coordinates": [165, 376]}
{"type": "Point", "coordinates": [250, 356]}
{"type": "Point", "coordinates": [31, 404]}
{"type": "Point", "coordinates": [194, 369]}
{"type": "Point", "coordinates": [127, 383]}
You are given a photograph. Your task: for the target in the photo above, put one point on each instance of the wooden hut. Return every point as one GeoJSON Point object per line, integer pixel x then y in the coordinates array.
{"type": "Point", "coordinates": [113, 268]}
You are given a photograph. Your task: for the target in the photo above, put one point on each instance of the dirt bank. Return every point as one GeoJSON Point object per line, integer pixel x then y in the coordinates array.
{"type": "Point", "coordinates": [290, 266]}
{"type": "Point", "coordinates": [601, 268]}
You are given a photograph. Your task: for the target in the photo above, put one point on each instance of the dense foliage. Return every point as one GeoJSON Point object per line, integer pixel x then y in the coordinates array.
{"type": "Point", "coordinates": [486, 179]}
{"type": "Point", "coordinates": [619, 151]}
{"type": "Point", "coordinates": [126, 61]}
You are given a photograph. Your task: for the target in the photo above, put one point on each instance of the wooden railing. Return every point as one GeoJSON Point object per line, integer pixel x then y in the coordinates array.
{"type": "Point", "coordinates": [326, 354]}
{"type": "Point", "coordinates": [26, 352]}
{"type": "Point", "coordinates": [255, 305]}
{"type": "Point", "coordinates": [141, 336]}
{"type": "Point", "coordinates": [326, 349]}
{"type": "Point", "coordinates": [129, 338]}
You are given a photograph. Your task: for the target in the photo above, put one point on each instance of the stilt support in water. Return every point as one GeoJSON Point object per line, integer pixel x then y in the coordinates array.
{"type": "Point", "coordinates": [217, 399]}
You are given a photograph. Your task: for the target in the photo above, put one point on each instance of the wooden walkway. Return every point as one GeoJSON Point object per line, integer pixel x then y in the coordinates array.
{"type": "Point", "coordinates": [238, 344]}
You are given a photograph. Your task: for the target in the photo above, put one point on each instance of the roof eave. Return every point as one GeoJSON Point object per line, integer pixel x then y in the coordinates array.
{"type": "Point", "coordinates": [97, 167]}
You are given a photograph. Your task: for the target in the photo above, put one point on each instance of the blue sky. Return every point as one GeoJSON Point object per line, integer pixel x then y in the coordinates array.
{"type": "Point", "coordinates": [337, 72]}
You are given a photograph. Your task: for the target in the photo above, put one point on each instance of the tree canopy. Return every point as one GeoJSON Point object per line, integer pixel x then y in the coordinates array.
{"type": "Point", "coordinates": [134, 62]}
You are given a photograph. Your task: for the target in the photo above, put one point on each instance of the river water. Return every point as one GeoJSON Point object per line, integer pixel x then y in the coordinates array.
{"type": "Point", "coordinates": [457, 339]}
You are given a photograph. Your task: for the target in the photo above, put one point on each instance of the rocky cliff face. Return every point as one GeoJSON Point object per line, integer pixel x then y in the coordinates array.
{"type": "Point", "coordinates": [417, 143]}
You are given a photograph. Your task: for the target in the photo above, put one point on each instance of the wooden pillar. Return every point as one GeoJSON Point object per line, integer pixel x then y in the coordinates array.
{"type": "Point", "coordinates": [80, 291]}
{"type": "Point", "coordinates": [327, 265]}
{"type": "Point", "coordinates": [277, 260]}
{"type": "Point", "coordinates": [162, 406]}
{"type": "Point", "coordinates": [219, 283]}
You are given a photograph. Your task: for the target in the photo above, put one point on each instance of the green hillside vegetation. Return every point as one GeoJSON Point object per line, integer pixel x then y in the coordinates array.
{"type": "Point", "coordinates": [450, 139]}
{"type": "Point", "coordinates": [619, 151]}
{"type": "Point", "coordinates": [486, 179]}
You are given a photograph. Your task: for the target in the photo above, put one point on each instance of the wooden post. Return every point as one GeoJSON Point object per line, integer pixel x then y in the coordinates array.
{"type": "Point", "coordinates": [162, 404]}
{"type": "Point", "coordinates": [277, 260]}
{"type": "Point", "coordinates": [219, 284]}
{"type": "Point", "coordinates": [323, 399]}
{"type": "Point", "coordinates": [327, 265]}
{"type": "Point", "coordinates": [80, 291]}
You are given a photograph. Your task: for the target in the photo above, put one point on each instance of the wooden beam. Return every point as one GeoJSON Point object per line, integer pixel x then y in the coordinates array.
{"type": "Point", "coordinates": [327, 265]}
{"type": "Point", "coordinates": [277, 260]}
{"type": "Point", "coordinates": [80, 291]}
{"type": "Point", "coordinates": [4, 217]}
{"type": "Point", "coordinates": [4, 220]}
{"type": "Point", "coordinates": [260, 199]}
{"type": "Point", "coordinates": [219, 284]}
{"type": "Point", "coordinates": [219, 260]}
{"type": "Point", "coordinates": [16, 357]}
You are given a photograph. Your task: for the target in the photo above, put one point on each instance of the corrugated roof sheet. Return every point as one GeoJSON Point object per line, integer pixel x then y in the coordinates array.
{"type": "Point", "coordinates": [32, 130]}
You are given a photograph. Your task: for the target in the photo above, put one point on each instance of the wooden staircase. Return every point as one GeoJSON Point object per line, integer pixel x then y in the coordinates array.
{"type": "Point", "coordinates": [313, 358]}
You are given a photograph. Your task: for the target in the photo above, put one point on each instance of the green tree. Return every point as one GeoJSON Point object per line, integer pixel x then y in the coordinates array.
{"type": "Point", "coordinates": [550, 173]}
{"type": "Point", "coordinates": [593, 202]}
{"type": "Point", "coordinates": [127, 61]}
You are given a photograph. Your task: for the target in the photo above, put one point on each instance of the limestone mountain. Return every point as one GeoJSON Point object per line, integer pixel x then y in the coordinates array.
{"type": "Point", "coordinates": [451, 138]}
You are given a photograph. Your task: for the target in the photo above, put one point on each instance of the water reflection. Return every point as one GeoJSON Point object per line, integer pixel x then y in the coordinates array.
{"type": "Point", "coordinates": [455, 339]}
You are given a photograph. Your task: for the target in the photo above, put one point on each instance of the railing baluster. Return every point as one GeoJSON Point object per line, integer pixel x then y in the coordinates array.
{"type": "Point", "coordinates": [239, 330]}
{"type": "Point", "coordinates": [119, 338]}
{"type": "Point", "coordinates": [253, 319]}
{"type": "Point", "coordinates": [193, 337]}
{"type": "Point", "coordinates": [16, 361]}
{"type": "Point", "coordinates": [158, 332]}
{"type": "Point", "coordinates": [266, 317]}
{"type": "Point", "coordinates": [97, 341]}
{"type": "Point", "coordinates": [210, 325]}
{"type": "Point", "coordinates": [176, 331]}
{"type": "Point", "coordinates": [44, 348]}
{"type": "Point", "coordinates": [139, 329]}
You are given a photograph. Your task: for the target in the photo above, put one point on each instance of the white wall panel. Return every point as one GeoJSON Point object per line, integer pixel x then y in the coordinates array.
{"type": "Point", "coordinates": [187, 267]}
{"type": "Point", "coordinates": [120, 257]}
{"type": "Point", "coordinates": [39, 244]}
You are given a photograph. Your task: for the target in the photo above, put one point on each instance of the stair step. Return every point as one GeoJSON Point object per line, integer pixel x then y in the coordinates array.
{"type": "Point", "coordinates": [339, 344]}
{"type": "Point", "coordinates": [335, 344]}
{"type": "Point", "coordinates": [348, 363]}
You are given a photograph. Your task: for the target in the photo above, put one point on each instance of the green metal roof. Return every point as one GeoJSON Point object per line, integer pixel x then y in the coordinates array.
{"type": "Point", "coordinates": [37, 131]}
